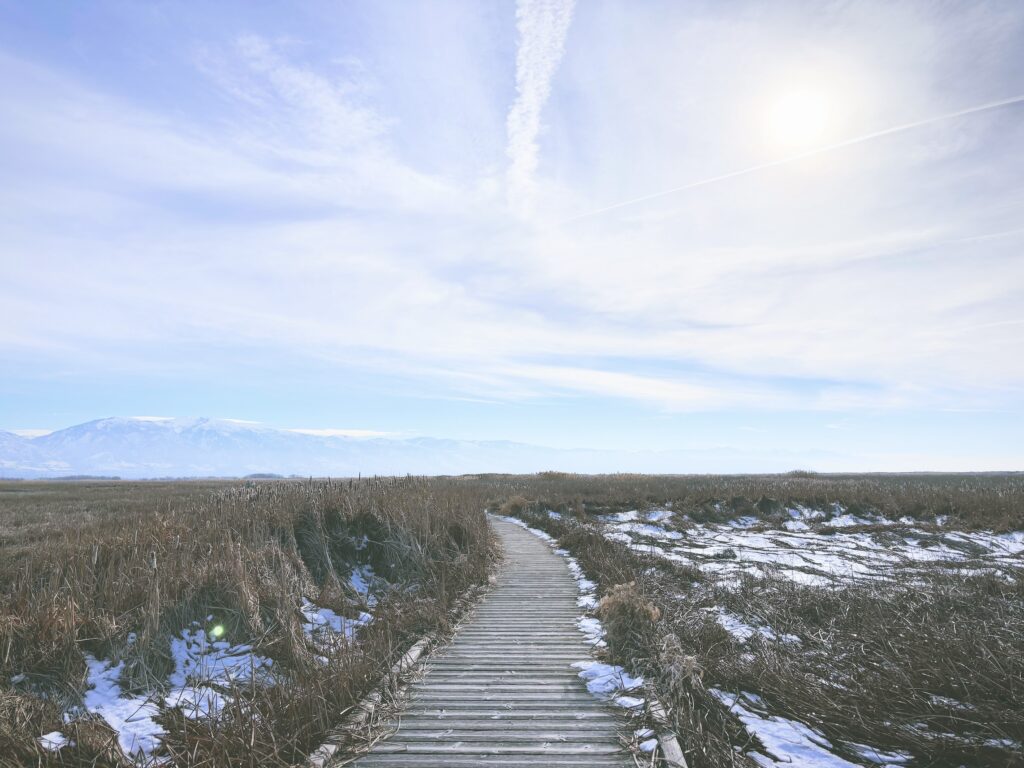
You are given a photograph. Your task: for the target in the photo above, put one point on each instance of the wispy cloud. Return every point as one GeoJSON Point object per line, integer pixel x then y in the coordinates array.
{"type": "Point", "coordinates": [542, 26]}
{"type": "Point", "coordinates": [333, 200]}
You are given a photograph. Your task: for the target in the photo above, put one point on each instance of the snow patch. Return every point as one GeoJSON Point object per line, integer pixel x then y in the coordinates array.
{"type": "Point", "coordinates": [787, 742]}
{"type": "Point", "coordinates": [53, 741]}
{"type": "Point", "coordinates": [743, 631]}
{"type": "Point", "coordinates": [131, 717]}
{"type": "Point", "coordinates": [362, 580]}
{"type": "Point", "coordinates": [606, 679]}
{"type": "Point", "coordinates": [203, 665]}
{"type": "Point", "coordinates": [658, 515]}
{"type": "Point", "coordinates": [326, 627]}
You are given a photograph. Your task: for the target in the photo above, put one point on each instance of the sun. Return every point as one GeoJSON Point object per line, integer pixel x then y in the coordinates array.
{"type": "Point", "coordinates": [800, 118]}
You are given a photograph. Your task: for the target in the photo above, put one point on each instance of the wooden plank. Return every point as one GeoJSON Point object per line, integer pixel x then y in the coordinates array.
{"type": "Point", "coordinates": [504, 692]}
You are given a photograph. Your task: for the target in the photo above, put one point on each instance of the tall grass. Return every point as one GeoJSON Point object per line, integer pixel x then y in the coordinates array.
{"type": "Point", "coordinates": [975, 500]}
{"type": "Point", "coordinates": [116, 570]}
{"type": "Point", "coordinates": [933, 666]}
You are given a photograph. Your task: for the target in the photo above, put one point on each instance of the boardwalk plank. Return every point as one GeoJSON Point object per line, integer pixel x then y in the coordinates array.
{"type": "Point", "coordinates": [504, 692]}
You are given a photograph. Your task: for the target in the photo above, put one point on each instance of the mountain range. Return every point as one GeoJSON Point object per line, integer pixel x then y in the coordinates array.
{"type": "Point", "coordinates": [146, 447]}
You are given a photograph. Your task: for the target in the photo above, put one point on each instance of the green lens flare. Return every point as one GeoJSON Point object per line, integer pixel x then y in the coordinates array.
{"type": "Point", "coordinates": [217, 631]}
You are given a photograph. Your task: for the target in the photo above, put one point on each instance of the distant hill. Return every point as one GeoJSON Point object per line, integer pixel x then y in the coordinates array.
{"type": "Point", "coordinates": [135, 448]}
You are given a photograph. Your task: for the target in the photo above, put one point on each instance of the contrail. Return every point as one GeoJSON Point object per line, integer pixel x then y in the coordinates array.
{"type": "Point", "coordinates": [543, 26]}
{"type": "Point", "coordinates": [810, 153]}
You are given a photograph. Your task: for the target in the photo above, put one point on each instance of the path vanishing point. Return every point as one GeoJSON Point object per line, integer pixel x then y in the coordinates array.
{"type": "Point", "coordinates": [504, 693]}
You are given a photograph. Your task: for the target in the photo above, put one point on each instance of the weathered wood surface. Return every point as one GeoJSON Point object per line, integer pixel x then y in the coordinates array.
{"type": "Point", "coordinates": [503, 692]}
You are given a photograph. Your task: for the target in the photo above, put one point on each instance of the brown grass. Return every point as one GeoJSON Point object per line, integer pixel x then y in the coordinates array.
{"type": "Point", "coordinates": [84, 566]}
{"type": "Point", "coordinates": [877, 663]}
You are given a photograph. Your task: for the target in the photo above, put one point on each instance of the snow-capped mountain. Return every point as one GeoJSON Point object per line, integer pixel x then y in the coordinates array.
{"type": "Point", "coordinates": [203, 447]}
{"type": "Point", "coordinates": [21, 457]}
{"type": "Point", "coordinates": [147, 447]}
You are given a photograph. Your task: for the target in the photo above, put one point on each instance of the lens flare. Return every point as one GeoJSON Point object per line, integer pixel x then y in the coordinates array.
{"type": "Point", "coordinates": [217, 631]}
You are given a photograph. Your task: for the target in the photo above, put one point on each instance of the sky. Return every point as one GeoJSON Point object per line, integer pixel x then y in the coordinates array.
{"type": "Point", "coordinates": [764, 226]}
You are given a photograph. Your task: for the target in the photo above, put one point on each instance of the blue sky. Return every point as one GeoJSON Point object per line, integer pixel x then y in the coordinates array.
{"type": "Point", "coordinates": [446, 218]}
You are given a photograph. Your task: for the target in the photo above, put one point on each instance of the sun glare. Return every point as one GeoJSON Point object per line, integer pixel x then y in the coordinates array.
{"type": "Point", "coordinates": [799, 119]}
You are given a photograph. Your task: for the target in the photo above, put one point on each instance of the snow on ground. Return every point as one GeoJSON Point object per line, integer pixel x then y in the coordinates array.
{"type": "Point", "coordinates": [814, 547]}
{"type": "Point", "coordinates": [362, 581]}
{"type": "Point", "coordinates": [787, 742]}
{"type": "Point", "coordinates": [878, 757]}
{"type": "Point", "coordinates": [53, 741]}
{"type": "Point", "coordinates": [203, 665]}
{"type": "Point", "coordinates": [327, 629]}
{"type": "Point", "coordinates": [743, 631]}
{"type": "Point", "coordinates": [606, 679]}
{"type": "Point", "coordinates": [205, 668]}
{"type": "Point", "coordinates": [131, 717]}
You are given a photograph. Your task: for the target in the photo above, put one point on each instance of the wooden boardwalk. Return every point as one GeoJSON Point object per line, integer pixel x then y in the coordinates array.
{"type": "Point", "coordinates": [503, 692]}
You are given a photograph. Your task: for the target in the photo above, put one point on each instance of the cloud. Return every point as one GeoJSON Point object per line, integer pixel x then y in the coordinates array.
{"type": "Point", "coordinates": [542, 26]}
{"type": "Point", "coordinates": [293, 222]}
{"type": "Point", "coordinates": [966, 112]}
